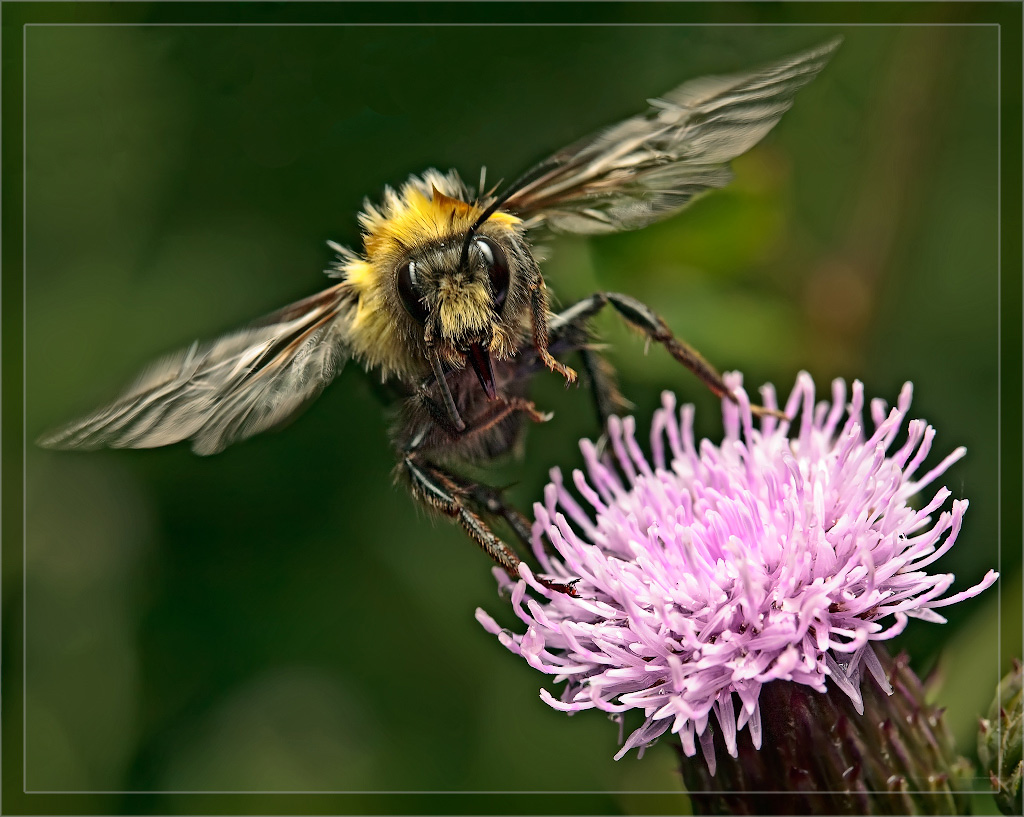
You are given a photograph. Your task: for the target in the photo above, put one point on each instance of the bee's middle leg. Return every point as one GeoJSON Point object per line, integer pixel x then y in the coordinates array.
{"type": "Point", "coordinates": [569, 332]}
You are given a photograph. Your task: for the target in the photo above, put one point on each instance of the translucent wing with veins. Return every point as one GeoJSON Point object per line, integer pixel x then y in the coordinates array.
{"type": "Point", "coordinates": [651, 165]}
{"type": "Point", "coordinates": [226, 390]}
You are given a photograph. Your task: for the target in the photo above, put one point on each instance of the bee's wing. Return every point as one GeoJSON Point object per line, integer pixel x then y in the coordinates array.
{"type": "Point", "coordinates": [647, 167]}
{"type": "Point", "coordinates": [226, 390]}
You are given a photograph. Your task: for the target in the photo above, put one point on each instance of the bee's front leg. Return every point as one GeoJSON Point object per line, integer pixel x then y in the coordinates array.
{"type": "Point", "coordinates": [539, 322]}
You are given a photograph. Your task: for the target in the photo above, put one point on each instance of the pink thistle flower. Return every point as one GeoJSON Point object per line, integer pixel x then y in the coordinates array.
{"type": "Point", "coordinates": [709, 571]}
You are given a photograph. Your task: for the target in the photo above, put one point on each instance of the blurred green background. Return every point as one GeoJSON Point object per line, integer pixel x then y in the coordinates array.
{"type": "Point", "coordinates": [280, 617]}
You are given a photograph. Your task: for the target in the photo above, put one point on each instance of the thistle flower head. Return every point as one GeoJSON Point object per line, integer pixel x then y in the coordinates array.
{"type": "Point", "coordinates": [707, 571]}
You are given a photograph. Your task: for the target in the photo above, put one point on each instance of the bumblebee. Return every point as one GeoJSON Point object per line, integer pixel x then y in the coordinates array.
{"type": "Point", "coordinates": [447, 304]}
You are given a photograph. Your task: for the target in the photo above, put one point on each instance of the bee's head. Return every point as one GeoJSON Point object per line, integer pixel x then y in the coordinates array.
{"type": "Point", "coordinates": [443, 280]}
{"type": "Point", "coordinates": [469, 294]}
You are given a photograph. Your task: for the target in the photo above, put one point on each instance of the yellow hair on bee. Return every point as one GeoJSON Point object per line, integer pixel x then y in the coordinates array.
{"type": "Point", "coordinates": [425, 210]}
{"type": "Point", "coordinates": [463, 308]}
{"type": "Point", "coordinates": [372, 331]}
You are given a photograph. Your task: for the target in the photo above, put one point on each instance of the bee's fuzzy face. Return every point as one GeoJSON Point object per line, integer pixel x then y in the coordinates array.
{"type": "Point", "coordinates": [413, 291]}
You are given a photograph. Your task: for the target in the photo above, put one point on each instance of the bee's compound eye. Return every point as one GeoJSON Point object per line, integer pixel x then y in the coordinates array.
{"type": "Point", "coordinates": [497, 269]}
{"type": "Point", "coordinates": [409, 291]}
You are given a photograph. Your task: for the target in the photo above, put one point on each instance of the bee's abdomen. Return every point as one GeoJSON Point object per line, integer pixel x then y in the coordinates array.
{"type": "Point", "coordinates": [491, 430]}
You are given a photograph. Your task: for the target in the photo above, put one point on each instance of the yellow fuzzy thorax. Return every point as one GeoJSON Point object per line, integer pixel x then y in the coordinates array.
{"type": "Point", "coordinates": [425, 210]}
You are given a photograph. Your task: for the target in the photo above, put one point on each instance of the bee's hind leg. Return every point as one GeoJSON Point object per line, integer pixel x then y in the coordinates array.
{"type": "Point", "coordinates": [444, 492]}
{"type": "Point", "coordinates": [640, 316]}
{"type": "Point", "coordinates": [491, 500]}
{"type": "Point", "coordinates": [439, 490]}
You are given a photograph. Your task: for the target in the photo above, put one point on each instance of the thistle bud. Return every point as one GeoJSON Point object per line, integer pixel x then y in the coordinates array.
{"type": "Point", "coordinates": [999, 743]}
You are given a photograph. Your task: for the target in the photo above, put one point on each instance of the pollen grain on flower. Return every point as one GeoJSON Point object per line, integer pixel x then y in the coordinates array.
{"type": "Point", "coordinates": [706, 571]}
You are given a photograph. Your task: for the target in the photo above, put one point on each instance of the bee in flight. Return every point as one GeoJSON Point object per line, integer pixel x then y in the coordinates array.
{"type": "Point", "coordinates": [447, 303]}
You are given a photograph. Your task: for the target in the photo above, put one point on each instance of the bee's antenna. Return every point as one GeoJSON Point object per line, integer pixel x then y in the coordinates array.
{"type": "Point", "coordinates": [528, 178]}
